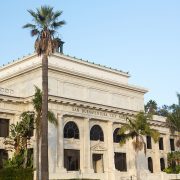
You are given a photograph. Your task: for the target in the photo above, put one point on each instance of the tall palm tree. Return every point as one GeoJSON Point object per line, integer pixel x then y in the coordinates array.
{"type": "Point", "coordinates": [45, 25]}
{"type": "Point", "coordinates": [136, 128]}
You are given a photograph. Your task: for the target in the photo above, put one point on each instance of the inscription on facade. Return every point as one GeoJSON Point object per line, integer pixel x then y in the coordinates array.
{"type": "Point", "coordinates": [6, 91]}
{"type": "Point", "coordinates": [98, 113]}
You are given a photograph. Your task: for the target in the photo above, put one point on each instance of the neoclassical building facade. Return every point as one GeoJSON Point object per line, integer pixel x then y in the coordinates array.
{"type": "Point", "coordinates": [90, 102]}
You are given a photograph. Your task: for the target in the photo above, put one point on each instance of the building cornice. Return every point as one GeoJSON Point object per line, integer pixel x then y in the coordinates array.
{"type": "Point", "coordinates": [81, 104]}
{"type": "Point", "coordinates": [91, 64]}
{"type": "Point", "coordinates": [11, 99]}
{"type": "Point", "coordinates": [67, 71]}
{"type": "Point", "coordinates": [18, 61]}
{"type": "Point", "coordinates": [67, 57]}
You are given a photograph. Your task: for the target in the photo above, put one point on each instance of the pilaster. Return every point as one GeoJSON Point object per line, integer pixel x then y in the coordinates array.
{"type": "Point", "coordinates": [60, 144]}
{"type": "Point", "coordinates": [86, 147]}
{"type": "Point", "coordinates": [110, 151]}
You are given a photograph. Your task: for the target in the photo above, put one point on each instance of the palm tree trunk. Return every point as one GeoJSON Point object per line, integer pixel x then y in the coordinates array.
{"type": "Point", "coordinates": [44, 122]}
{"type": "Point", "coordinates": [137, 167]}
{"type": "Point", "coordinates": [37, 154]}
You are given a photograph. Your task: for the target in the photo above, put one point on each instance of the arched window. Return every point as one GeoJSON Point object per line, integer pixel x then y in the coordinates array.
{"type": "Point", "coordinates": [96, 133]}
{"type": "Point", "coordinates": [71, 130]}
{"type": "Point", "coordinates": [162, 164]}
{"type": "Point", "coordinates": [116, 136]}
{"type": "Point", "coordinates": [150, 164]}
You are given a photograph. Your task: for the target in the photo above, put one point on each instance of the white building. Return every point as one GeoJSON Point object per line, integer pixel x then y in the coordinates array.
{"type": "Point", "coordinates": [90, 102]}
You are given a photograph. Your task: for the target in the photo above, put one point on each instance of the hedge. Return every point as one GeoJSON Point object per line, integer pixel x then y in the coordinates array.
{"type": "Point", "coordinates": [16, 174]}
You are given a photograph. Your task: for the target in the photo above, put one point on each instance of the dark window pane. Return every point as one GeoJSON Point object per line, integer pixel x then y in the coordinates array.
{"type": "Point", "coordinates": [162, 164]}
{"type": "Point", "coordinates": [161, 146]}
{"type": "Point", "coordinates": [96, 133]}
{"type": "Point", "coordinates": [150, 164]}
{"type": "Point", "coordinates": [3, 156]}
{"type": "Point", "coordinates": [31, 133]}
{"type": "Point", "coordinates": [116, 136]}
{"type": "Point", "coordinates": [30, 157]}
{"type": "Point", "coordinates": [148, 141]}
{"type": "Point", "coordinates": [4, 127]}
{"type": "Point", "coordinates": [120, 161]}
{"type": "Point", "coordinates": [72, 159]}
{"type": "Point", "coordinates": [71, 130]}
{"type": "Point", "coordinates": [172, 145]}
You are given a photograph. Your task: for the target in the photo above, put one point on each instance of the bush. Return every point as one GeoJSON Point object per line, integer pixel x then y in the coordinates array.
{"type": "Point", "coordinates": [16, 174]}
{"type": "Point", "coordinates": [171, 170]}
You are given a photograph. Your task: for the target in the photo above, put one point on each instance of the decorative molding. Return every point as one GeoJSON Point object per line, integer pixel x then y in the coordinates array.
{"type": "Point", "coordinates": [98, 147]}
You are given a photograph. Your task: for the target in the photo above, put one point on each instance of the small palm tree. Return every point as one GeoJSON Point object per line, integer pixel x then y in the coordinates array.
{"type": "Point", "coordinates": [173, 122]}
{"type": "Point", "coordinates": [37, 103]}
{"type": "Point", "coordinates": [45, 25]}
{"type": "Point", "coordinates": [20, 133]}
{"type": "Point", "coordinates": [151, 107]}
{"type": "Point", "coordinates": [136, 128]}
{"type": "Point", "coordinates": [178, 96]}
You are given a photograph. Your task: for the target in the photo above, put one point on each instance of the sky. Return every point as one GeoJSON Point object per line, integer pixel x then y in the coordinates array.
{"type": "Point", "coordinates": [140, 37]}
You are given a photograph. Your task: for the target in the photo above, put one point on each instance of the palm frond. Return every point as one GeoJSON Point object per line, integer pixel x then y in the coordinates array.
{"type": "Point", "coordinates": [58, 24]}
{"type": "Point", "coordinates": [35, 32]}
{"type": "Point", "coordinates": [29, 25]}
{"type": "Point", "coordinates": [56, 15]}
{"type": "Point", "coordinates": [154, 134]}
{"type": "Point", "coordinates": [35, 16]}
{"type": "Point", "coordinates": [37, 100]}
{"type": "Point", "coordinates": [52, 119]}
{"type": "Point", "coordinates": [138, 143]}
{"type": "Point", "coordinates": [173, 120]}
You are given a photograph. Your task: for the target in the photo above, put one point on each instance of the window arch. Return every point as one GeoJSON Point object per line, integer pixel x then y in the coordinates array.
{"type": "Point", "coordinates": [116, 136]}
{"type": "Point", "coordinates": [71, 130]}
{"type": "Point", "coordinates": [96, 133]}
{"type": "Point", "coordinates": [162, 164]}
{"type": "Point", "coordinates": [150, 164]}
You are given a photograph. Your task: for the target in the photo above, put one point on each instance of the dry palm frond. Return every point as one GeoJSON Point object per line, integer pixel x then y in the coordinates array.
{"type": "Point", "coordinates": [178, 142]}
{"type": "Point", "coordinates": [138, 144]}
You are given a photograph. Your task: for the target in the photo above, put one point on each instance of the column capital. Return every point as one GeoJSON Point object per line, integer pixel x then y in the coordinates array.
{"type": "Point", "coordinates": [86, 118]}
{"type": "Point", "coordinates": [60, 115]}
{"type": "Point", "coordinates": [110, 123]}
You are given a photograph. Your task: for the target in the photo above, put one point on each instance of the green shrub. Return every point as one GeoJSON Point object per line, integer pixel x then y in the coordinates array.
{"type": "Point", "coordinates": [16, 174]}
{"type": "Point", "coordinates": [172, 170]}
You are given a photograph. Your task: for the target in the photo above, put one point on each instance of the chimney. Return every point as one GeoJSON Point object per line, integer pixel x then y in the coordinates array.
{"type": "Point", "coordinates": [59, 45]}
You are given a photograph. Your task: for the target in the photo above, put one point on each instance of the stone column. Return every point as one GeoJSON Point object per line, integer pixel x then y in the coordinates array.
{"type": "Point", "coordinates": [60, 144]}
{"type": "Point", "coordinates": [110, 151]}
{"type": "Point", "coordinates": [86, 147]}
{"type": "Point", "coordinates": [156, 158]}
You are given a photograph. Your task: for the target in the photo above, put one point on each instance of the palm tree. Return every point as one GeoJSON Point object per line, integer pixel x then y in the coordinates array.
{"type": "Point", "coordinates": [178, 96]}
{"type": "Point", "coordinates": [173, 119]}
{"type": "Point", "coordinates": [20, 133]}
{"type": "Point", "coordinates": [46, 24]}
{"type": "Point", "coordinates": [37, 103]}
{"type": "Point", "coordinates": [136, 128]}
{"type": "Point", "coordinates": [173, 122]}
{"type": "Point", "coordinates": [151, 107]}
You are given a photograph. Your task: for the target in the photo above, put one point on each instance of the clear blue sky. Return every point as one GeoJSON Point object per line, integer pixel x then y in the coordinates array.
{"type": "Point", "coordinates": [142, 37]}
